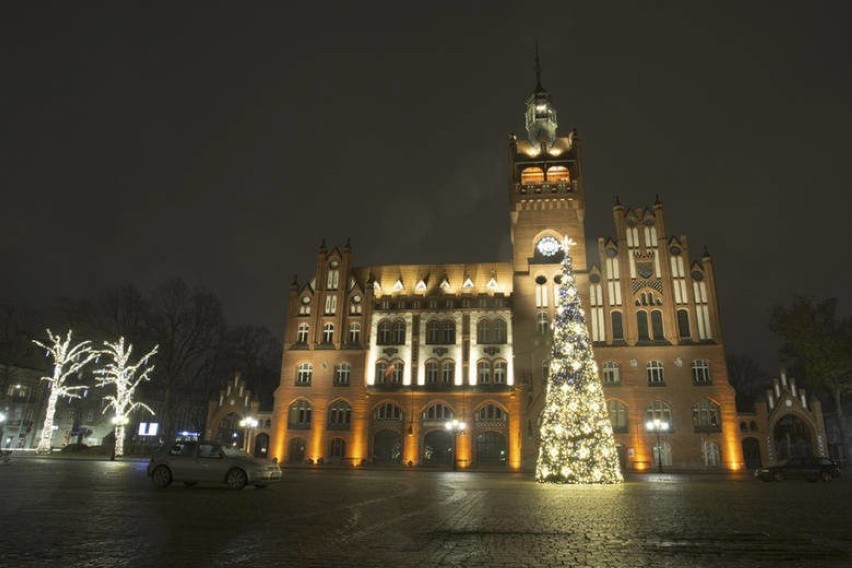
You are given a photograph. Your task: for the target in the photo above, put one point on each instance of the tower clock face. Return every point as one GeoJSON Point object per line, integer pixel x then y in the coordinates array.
{"type": "Point", "coordinates": [548, 246]}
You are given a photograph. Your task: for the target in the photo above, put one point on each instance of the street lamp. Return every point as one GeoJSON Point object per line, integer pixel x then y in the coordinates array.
{"type": "Point", "coordinates": [456, 427]}
{"type": "Point", "coordinates": [247, 423]}
{"type": "Point", "coordinates": [657, 425]}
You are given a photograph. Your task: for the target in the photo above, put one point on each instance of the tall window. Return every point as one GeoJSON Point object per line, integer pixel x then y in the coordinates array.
{"type": "Point", "coordinates": [389, 373]}
{"type": "Point", "coordinates": [304, 374]}
{"type": "Point", "coordinates": [491, 413]}
{"type": "Point", "coordinates": [491, 331]}
{"type": "Point", "coordinates": [617, 416]}
{"type": "Point", "coordinates": [542, 323]}
{"type": "Point", "coordinates": [655, 373]}
{"type": "Point", "coordinates": [711, 454]}
{"type": "Point", "coordinates": [383, 334]}
{"type": "Point", "coordinates": [337, 448]}
{"type": "Point", "coordinates": [611, 373]}
{"type": "Point", "coordinates": [387, 412]}
{"type": "Point", "coordinates": [431, 373]}
{"type": "Point", "coordinates": [330, 305]}
{"type": "Point", "coordinates": [340, 415]}
{"type": "Point", "coordinates": [659, 410]}
{"type": "Point", "coordinates": [657, 324]}
{"type": "Point", "coordinates": [302, 333]}
{"type": "Point", "coordinates": [500, 373]}
{"type": "Point", "coordinates": [328, 333]}
{"type": "Point", "coordinates": [617, 325]}
{"type": "Point", "coordinates": [305, 306]}
{"type": "Point", "coordinates": [342, 374]}
{"type": "Point", "coordinates": [642, 323]}
{"type": "Point", "coordinates": [391, 332]}
{"type": "Point", "coordinates": [398, 332]}
{"type": "Point", "coordinates": [442, 332]}
{"type": "Point", "coordinates": [300, 415]}
{"type": "Point", "coordinates": [448, 372]}
{"type": "Point", "coordinates": [354, 333]}
{"type": "Point", "coordinates": [438, 412]}
{"type": "Point", "coordinates": [700, 372]}
{"type": "Point", "coordinates": [541, 292]}
{"type": "Point", "coordinates": [683, 324]}
{"type": "Point", "coordinates": [333, 276]}
{"type": "Point", "coordinates": [483, 373]}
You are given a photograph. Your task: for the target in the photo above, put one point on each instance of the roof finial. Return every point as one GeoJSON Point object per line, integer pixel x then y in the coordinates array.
{"type": "Point", "coordinates": [538, 86]}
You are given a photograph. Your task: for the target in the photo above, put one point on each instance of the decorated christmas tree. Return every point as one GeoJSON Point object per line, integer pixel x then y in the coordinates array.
{"type": "Point", "coordinates": [577, 445]}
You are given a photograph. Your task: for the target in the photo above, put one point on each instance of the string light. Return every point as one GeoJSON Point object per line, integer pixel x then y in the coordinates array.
{"type": "Point", "coordinates": [577, 444]}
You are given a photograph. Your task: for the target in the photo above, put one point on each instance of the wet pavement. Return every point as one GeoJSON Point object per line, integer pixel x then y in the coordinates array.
{"type": "Point", "coordinates": [78, 513]}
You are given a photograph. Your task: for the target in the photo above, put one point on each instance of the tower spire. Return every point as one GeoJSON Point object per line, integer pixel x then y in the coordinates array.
{"type": "Point", "coordinates": [538, 86]}
{"type": "Point", "coordinates": [540, 116]}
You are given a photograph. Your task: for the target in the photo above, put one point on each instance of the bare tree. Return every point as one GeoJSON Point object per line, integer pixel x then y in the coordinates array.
{"type": "Point", "coordinates": [748, 378]}
{"type": "Point", "coordinates": [188, 325]}
{"type": "Point", "coordinates": [68, 360]}
{"type": "Point", "coordinates": [125, 376]}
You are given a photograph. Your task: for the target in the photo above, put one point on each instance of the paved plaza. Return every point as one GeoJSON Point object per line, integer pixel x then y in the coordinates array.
{"type": "Point", "coordinates": [78, 513]}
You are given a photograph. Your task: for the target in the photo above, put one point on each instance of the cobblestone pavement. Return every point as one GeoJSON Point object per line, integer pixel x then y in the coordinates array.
{"type": "Point", "coordinates": [70, 513]}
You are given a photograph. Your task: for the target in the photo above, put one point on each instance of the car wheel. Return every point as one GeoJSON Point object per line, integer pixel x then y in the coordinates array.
{"type": "Point", "coordinates": [826, 476]}
{"type": "Point", "coordinates": [236, 478]}
{"type": "Point", "coordinates": [778, 476]}
{"type": "Point", "coordinates": [161, 476]}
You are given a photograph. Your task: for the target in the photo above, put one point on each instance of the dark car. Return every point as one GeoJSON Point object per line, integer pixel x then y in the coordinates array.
{"type": "Point", "coordinates": [191, 462]}
{"type": "Point", "coordinates": [812, 469]}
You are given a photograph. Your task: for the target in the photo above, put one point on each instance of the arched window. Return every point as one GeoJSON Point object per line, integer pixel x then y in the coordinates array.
{"type": "Point", "coordinates": [387, 412]}
{"type": "Point", "coordinates": [299, 417]}
{"type": "Point", "coordinates": [617, 325]}
{"type": "Point", "coordinates": [333, 278]}
{"type": "Point", "coordinates": [483, 373]}
{"type": "Point", "coordinates": [383, 333]}
{"type": "Point", "coordinates": [532, 175]}
{"type": "Point", "coordinates": [340, 415]}
{"type": "Point", "coordinates": [391, 374]}
{"type": "Point", "coordinates": [683, 324]}
{"type": "Point", "coordinates": [304, 374]}
{"type": "Point", "coordinates": [354, 333]}
{"type": "Point", "coordinates": [337, 448]}
{"type": "Point", "coordinates": [705, 416]}
{"type": "Point", "coordinates": [442, 332]}
{"type": "Point", "coordinates": [500, 369]}
{"type": "Point", "coordinates": [499, 331]}
{"type": "Point", "coordinates": [431, 373]}
{"type": "Point", "coordinates": [657, 324]}
{"type": "Point", "coordinates": [399, 332]}
{"type": "Point", "coordinates": [712, 455]}
{"type": "Point", "coordinates": [341, 375]}
{"type": "Point", "coordinates": [557, 173]}
{"type": "Point", "coordinates": [437, 412]}
{"type": "Point", "coordinates": [448, 372]}
{"type": "Point", "coordinates": [432, 332]}
{"type": "Point", "coordinates": [642, 323]}
{"type": "Point", "coordinates": [328, 333]}
{"type": "Point", "coordinates": [655, 373]}
{"type": "Point", "coordinates": [381, 371]}
{"type": "Point", "coordinates": [617, 416]}
{"type": "Point", "coordinates": [611, 373]}
{"type": "Point", "coordinates": [491, 413]}
{"type": "Point", "coordinates": [659, 410]}
{"type": "Point", "coordinates": [700, 372]}
{"type": "Point", "coordinates": [302, 333]}
{"type": "Point", "coordinates": [541, 292]}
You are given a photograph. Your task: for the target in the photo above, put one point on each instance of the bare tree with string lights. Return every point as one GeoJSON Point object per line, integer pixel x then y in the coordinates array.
{"type": "Point", "coordinates": [68, 360]}
{"type": "Point", "coordinates": [577, 444]}
{"type": "Point", "coordinates": [125, 376]}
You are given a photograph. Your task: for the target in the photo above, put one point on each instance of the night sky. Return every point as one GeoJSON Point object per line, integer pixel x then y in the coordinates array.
{"type": "Point", "coordinates": [222, 142]}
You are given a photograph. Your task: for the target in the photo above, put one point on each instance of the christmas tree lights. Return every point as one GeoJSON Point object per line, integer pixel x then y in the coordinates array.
{"type": "Point", "coordinates": [125, 376]}
{"type": "Point", "coordinates": [577, 444]}
{"type": "Point", "coordinates": [68, 360]}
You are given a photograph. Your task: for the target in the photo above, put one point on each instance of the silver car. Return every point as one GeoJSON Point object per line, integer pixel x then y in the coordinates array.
{"type": "Point", "coordinates": [191, 462]}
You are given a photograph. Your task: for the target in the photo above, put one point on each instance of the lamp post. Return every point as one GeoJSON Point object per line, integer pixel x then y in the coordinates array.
{"type": "Point", "coordinates": [657, 425]}
{"type": "Point", "coordinates": [456, 428]}
{"type": "Point", "coordinates": [248, 423]}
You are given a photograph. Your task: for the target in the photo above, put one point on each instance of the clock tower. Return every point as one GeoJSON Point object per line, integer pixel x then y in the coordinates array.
{"type": "Point", "coordinates": [547, 204]}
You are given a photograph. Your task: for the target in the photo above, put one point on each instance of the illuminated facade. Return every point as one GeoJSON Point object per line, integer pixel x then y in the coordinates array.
{"type": "Point", "coordinates": [378, 359]}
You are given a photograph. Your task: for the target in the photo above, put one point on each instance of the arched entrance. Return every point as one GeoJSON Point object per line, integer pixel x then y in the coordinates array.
{"type": "Point", "coordinates": [792, 437]}
{"type": "Point", "coordinates": [261, 445]}
{"type": "Point", "coordinates": [387, 447]}
{"type": "Point", "coordinates": [296, 454]}
{"type": "Point", "coordinates": [490, 448]}
{"type": "Point", "coordinates": [751, 453]}
{"type": "Point", "coordinates": [437, 449]}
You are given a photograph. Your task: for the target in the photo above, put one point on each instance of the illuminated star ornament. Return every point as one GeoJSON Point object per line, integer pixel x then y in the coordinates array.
{"type": "Point", "coordinates": [577, 444]}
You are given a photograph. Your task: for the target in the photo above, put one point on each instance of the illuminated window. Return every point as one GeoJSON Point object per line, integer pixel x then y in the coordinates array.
{"type": "Point", "coordinates": [557, 173]}
{"type": "Point", "coordinates": [328, 333]}
{"type": "Point", "coordinates": [655, 373]}
{"type": "Point", "coordinates": [541, 292]}
{"type": "Point", "coordinates": [300, 415]}
{"type": "Point", "coordinates": [500, 369]}
{"type": "Point", "coordinates": [389, 374]}
{"type": "Point", "coordinates": [387, 412]}
{"type": "Point", "coordinates": [532, 175]}
{"type": "Point", "coordinates": [611, 373]}
{"type": "Point", "coordinates": [700, 372]}
{"type": "Point", "coordinates": [354, 333]}
{"type": "Point", "coordinates": [658, 410]}
{"type": "Point", "coordinates": [302, 333]}
{"type": "Point", "coordinates": [304, 374]}
{"type": "Point", "coordinates": [431, 373]}
{"type": "Point", "coordinates": [705, 416]}
{"type": "Point", "coordinates": [711, 454]}
{"type": "Point", "coordinates": [342, 373]}
{"type": "Point", "coordinates": [448, 372]}
{"type": "Point", "coordinates": [483, 373]}
{"type": "Point", "coordinates": [438, 412]}
{"type": "Point", "coordinates": [491, 413]}
{"type": "Point", "coordinates": [542, 321]}
{"type": "Point", "coordinates": [330, 305]}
